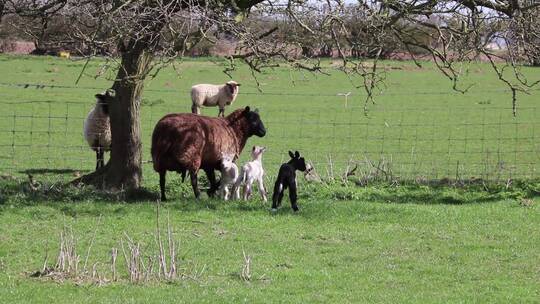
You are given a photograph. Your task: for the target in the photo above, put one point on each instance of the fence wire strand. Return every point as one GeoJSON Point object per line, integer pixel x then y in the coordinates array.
{"type": "Point", "coordinates": [480, 141]}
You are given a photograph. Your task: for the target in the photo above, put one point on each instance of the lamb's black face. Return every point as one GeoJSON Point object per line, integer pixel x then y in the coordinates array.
{"type": "Point", "coordinates": [298, 162]}
{"type": "Point", "coordinates": [256, 125]}
{"type": "Point", "coordinates": [301, 164]}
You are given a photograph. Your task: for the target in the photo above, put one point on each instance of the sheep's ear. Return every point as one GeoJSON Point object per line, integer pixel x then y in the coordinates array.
{"type": "Point", "coordinates": [296, 154]}
{"type": "Point", "coordinates": [237, 84]}
{"type": "Point", "coordinates": [253, 149]}
{"type": "Point", "coordinates": [246, 110]}
{"type": "Point", "coordinates": [100, 96]}
{"type": "Point", "coordinates": [291, 154]}
{"type": "Point", "coordinates": [256, 110]}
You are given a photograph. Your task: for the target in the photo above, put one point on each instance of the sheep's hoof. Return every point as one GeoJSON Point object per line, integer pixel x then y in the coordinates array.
{"type": "Point", "coordinates": [274, 210]}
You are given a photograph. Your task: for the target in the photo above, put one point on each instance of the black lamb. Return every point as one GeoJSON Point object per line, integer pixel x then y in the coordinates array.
{"type": "Point", "coordinates": [287, 179]}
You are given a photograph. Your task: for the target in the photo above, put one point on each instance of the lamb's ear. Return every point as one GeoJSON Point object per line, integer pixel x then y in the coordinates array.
{"type": "Point", "coordinates": [296, 154]}
{"type": "Point", "coordinates": [291, 154]}
{"type": "Point", "coordinates": [246, 110]}
{"type": "Point", "coordinates": [256, 110]}
{"type": "Point", "coordinates": [253, 149]}
{"type": "Point", "coordinates": [100, 96]}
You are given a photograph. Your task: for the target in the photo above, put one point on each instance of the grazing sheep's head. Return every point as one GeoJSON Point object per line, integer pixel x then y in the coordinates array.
{"type": "Point", "coordinates": [103, 100]}
{"type": "Point", "coordinates": [298, 162]}
{"type": "Point", "coordinates": [233, 87]}
{"type": "Point", "coordinates": [256, 126]}
{"type": "Point", "coordinates": [309, 168]}
{"type": "Point", "coordinates": [256, 151]}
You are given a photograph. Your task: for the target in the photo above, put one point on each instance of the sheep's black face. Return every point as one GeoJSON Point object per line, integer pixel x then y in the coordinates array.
{"type": "Point", "coordinates": [102, 101]}
{"type": "Point", "coordinates": [256, 126]}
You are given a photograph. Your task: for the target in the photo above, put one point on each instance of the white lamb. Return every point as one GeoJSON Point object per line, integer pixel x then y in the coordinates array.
{"type": "Point", "coordinates": [229, 176]}
{"type": "Point", "coordinates": [253, 171]}
{"type": "Point", "coordinates": [212, 95]}
{"type": "Point", "coordinates": [97, 127]}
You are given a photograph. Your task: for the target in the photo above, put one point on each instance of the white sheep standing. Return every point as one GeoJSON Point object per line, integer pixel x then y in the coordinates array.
{"type": "Point", "coordinates": [97, 127]}
{"type": "Point", "coordinates": [212, 95]}
{"type": "Point", "coordinates": [229, 176]}
{"type": "Point", "coordinates": [253, 171]}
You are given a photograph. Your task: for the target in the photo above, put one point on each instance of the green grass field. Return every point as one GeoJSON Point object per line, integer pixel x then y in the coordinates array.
{"type": "Point", "coordinates": [419, 125]}
{"type": "Point", "coordinates": [387, 245]}
{"type": "Point", "coordinates": [348, 244]}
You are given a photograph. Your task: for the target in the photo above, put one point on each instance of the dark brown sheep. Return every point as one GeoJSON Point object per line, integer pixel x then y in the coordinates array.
{"type": "Point", "coordinates": [189, 142]}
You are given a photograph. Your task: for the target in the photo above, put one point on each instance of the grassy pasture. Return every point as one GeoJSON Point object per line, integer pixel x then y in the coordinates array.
{"type": "Point", "coordinates": [348, 244]}
{"type": "Point", "coordinates": [430, 248]}
{"type": "Point", "coordinates": [419, 125]}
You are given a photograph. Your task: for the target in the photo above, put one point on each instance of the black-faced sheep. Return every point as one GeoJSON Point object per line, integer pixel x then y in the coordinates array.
{"type": "Point", "coordinates": [188, 142]}
{"type": "Point", "coordinates": [97, 127]}
{"type": "Point", "coordinates": [287, 179]}
{"type": "Point", "coordinates": [212, 95]}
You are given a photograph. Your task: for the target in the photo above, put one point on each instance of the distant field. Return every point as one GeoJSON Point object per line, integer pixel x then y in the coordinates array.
{"type": "Point", "coordinates": [381, 243]}
{"type": "Point", "coordinates": [419, 126]}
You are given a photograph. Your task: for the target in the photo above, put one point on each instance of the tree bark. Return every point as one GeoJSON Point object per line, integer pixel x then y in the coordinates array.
{"type": "Point", "coordinates": [124, 170]}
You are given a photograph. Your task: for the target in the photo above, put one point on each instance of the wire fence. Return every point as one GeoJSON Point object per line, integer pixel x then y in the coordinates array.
{"type": "Point", "coordinates": [41, 131]}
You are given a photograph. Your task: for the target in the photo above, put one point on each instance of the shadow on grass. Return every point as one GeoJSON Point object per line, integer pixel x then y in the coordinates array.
{"type": "Point", "coordinates": [24, 193]}
{"type": "Point", "coordinates": [49, 171]}
{"type": "Point", "coordinates": [73, 200]}
{"type": "Point", "coordinates": [428, 194]}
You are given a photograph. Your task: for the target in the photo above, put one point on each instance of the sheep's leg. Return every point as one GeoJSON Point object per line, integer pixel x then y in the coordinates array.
{"type": "Point", "coordinates": [99, 158]}
{"type": "Point", "coordinates": [183, 174]}
{"type": "Point", "coordinates": [195, 109]}
{"type": "Point", "coordinates": [237, 185]}
{"type": "Point", "coordinates": [222, 191]}
{"type": "Point", "coordinates": [262, 190]}
{"type": "Point", "coordinates": [292, 196]}
{"type": "Point", "coordinates": [214, 185]}
{"type": "Point", "coordinates": [221, 112]}
{"type": "Point", "coordinates": [162, 185]}
{"type": "Point", "coordinates": [235, 192]}
{"type": "Point", "coordinates": [281, 193]}
{"type": "Point", "coordinates": [193, 176]}
{"type": "Point", "coordinates": [247, 192]}
{"type": "Point", "coordinates": [226, 193]}
{"type": "Point", "coordinates": [277, 195]}
{"type": "Point", "coordinates": [102, 157]}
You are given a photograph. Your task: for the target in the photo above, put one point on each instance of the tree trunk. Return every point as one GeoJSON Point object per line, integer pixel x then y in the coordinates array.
{"type": "Point", "coordinates": [124, 171]}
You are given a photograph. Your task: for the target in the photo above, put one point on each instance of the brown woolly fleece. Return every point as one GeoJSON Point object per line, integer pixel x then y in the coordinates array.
{"type": "Point", "coordinates": [189, 142]}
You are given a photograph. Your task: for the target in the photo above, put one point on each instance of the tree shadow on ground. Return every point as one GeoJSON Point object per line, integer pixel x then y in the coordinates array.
{"type": "Point", "coordinates": [65, 198]}
{"type": "Point", "coordinates": [49, 171]}
{"type": "Point", "coordinates": [432, 193]}
{"type": "Point", "coordinates": [28, 193]}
